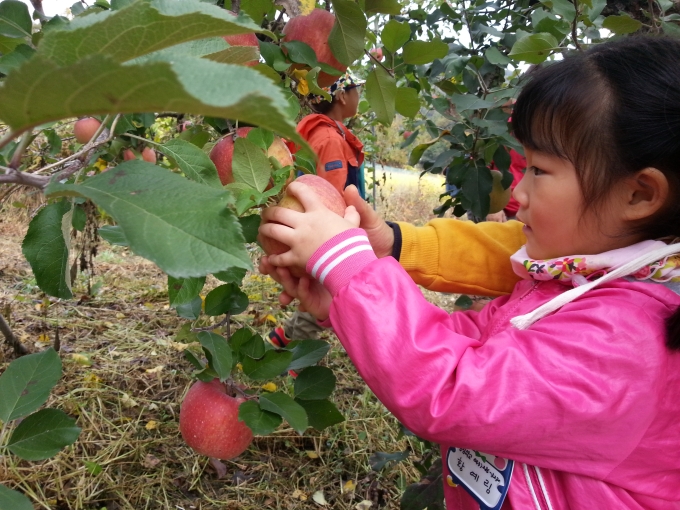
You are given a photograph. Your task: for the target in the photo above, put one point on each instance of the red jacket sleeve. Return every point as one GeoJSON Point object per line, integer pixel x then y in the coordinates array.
{"type": "Point", "coordinates": [332, 163]}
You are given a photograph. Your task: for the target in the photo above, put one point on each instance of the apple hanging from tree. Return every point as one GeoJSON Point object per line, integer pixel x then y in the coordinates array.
{"type": "Point", "coordinates": [314, 30]}
{"type": "Point", "coordinates": [222, 154]}
{"type": "Point", "coordinates": [208, 421]}
{"type": "Point", "coordinates": [499, 195]}
{"type": "Point", "coordinates": [149, 155]}
{"type": "Point", "coordinates": [377, 53]}
{"type": "Point", "coordinates": [407, 134]}
{"type": "Point", "coordinates": [129, 155]}
{"type": "Point", "coordinates": [85, 128]}
{"type": "Point", "coordinates": [330, 197]}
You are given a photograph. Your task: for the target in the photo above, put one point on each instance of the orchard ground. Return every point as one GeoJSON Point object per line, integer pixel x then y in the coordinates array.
{"type": "Point", "coordinates": [125, 376]}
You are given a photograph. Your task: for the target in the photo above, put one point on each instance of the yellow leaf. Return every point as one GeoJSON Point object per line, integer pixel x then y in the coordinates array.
{"type": "Point", "coordinates": [82, 359]}
{"type": "Point", "coordinates": [271, 319]}
{"type": "Point", "coordinates": [92, 380]}
{"type": "Point", "coordinates": [44, 339]}
{"type": "Point", "coordinates": [151, 425]}
{"type": "Point", "coordinates": [298, 494]}
{"type": "Point", "coordinates": [120, 315]}
{"type": "Point", "coordinates": [311, 454]}
{"type": "Point", "coordinates": [319, 498]}
{"type": "Point", "coordinates": [38, 306]}
{"type": "Point", "coordinates": [307, 6]}
{"type": "Point", "coordinates": [239, 367]}
{"type": "Point", "coordinates": [149, 305]}
{"type": "Point", "coordinates": [155, 370]}
{"type": "Point", "coordinates": [270, 386]}
{"type": "Point", "coordinates": [300, 74]}
{"type": "Point", "coordinates": [100, 164]}
{"type": "Point", "coordinates": [349, 486]}
{"type": "Point", "coordinates": [303, 87]}
{"type": "Point", "coordinates": [108, 324]}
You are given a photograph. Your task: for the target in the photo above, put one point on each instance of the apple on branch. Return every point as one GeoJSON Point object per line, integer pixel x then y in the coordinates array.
{"type": "Point", "coordinates": [222, 154]}
{"type": "Point", "coordinates": [377, 53]}
{"type": "Point", "coordinates": [249, 39]}
{"type": "Point", "coordinates": [209, 424]}
{"type": "Point", "coordinates": [85, 128]}
{"type": "Point", "coordinates": [314, 30]}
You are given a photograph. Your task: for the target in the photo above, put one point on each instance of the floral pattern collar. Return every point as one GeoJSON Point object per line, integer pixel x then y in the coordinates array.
{"type": "Point", "coordinates": [579, 269]}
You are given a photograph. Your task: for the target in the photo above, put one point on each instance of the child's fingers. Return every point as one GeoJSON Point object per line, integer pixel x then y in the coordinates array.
{"type": "Point", "coordinates": [285, 299]}
{"type": "Point", "coordinates": [352, 215]}
{"type": "Point", "coordinates": [278, 232]}
{"type": "Point", "coordinates": [288, 281]}
{"type": "Point", "coordinates": [280, 215]}
{"type": "Point", "coordinates": [286, 259]}
{"type": "Point", "coordinates": [309, 200]}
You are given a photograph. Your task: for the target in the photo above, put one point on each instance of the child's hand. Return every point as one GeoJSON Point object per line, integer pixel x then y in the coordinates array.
{"type": "Point", "coordinates": [379, 233]}
{"type": "Point", "coordinates": [304, 232]}
{"type": "Point", "coordinates": [314, 298]}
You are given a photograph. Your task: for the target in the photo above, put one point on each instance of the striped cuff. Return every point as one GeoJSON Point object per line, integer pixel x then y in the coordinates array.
{"type": "Point", "coordinates": [340, 258]}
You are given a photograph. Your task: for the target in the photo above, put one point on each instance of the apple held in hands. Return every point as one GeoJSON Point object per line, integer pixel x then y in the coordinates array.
{"type": "Point", "coordinates": [330, 197]}
{"type": "Point", "coordinates": [208, 421]}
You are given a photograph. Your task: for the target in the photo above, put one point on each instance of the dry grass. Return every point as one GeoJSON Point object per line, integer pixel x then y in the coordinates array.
{"type": "Point", "coordinates": [127, 400]}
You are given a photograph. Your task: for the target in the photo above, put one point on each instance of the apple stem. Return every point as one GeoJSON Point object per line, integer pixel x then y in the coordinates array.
{"type": "Point", "coordinates": [235, 390]}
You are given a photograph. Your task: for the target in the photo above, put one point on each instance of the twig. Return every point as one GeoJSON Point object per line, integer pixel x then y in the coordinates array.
{"type": "Point", "coordinates": [214, 326]}
{"type": "Point", "coordinates": [236, 6]}
{"type": "Point", "coordinates": [390, 72]}
{"type": "Point", "coordinates": [19, 348]}
{"type": "Point", "coordinates": [19, 151]}
{"type": "Point", "coordinates": [574, 25]}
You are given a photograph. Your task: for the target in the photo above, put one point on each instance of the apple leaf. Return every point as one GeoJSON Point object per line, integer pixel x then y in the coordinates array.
{"type": "Point", "coordinates": [46, 249]}
{"type": "Point", "coordinates": [395, 35]}
{"type": "Point", "coordinates": [14, 500]}
{"type": "Point", "coordinates": [272, 364]}
{"type": "Point", "coordinates": [381, 92]}
{"type": "Point", "coordinates": [233, 275]}
{"type": "Point", "coordinates": [192, 161]}
{"type": "Point", "coordinates": [250, 225]}
{"type": "Point", "coordinates": [236, 55]}
{"type": "Point", "coordinates": [622, 24]}
{"type": "Point", "coordinates": [261, 422]}
{"type": "Point", "coordinates": [190, 310]}
{"type": "Point", "coordinates": [220, 354]}
{"type": "Point", "coordinates": [282, 404]}
{"type": "Point", "coordinates": [184, 227]}
{"type": "Point", "coordinates": [228, 298]}
{"type": "Point", "coordinates": [253, 347]}
{"type": "Point", "coordinates": [424, 52]}
{"type": "Point", "coordinates": [307, 353]}
{"type": "Point", "coordinates": [534, 48]}
{"type": "Point", "coordinates": [15, 20]}
{"type": "Point", "coordinates": [239, 338]}
{"type": "Point", "coordinates": [321, 413]}
{"type": "Point", "coordinates": [407, 101]}
{"type": "Point", "coordinates": [314, 383]}
{"type": "Point", "coordinates": [383, 7]}
{"type": "Point", "coordinates": [346, 39]}
{"type": "Point", "coordinates": [26, 383]}
{"type": "Point", "coordinates": [43, 434]}
{"type": "Point", "coordinates": [477, 184]}
{"type": "Point", "coordinates": [250, 165]}
{"type": "Point", "coordinates": [183, 290]}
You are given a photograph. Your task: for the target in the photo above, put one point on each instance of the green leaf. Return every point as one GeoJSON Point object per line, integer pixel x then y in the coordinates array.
{"type": "Point", "coordinates": [314, 383]}
{"type": "Point", "coordinates": [261, 137]}
{"type": "Point", "coordinates": [93, 468]}
{"type": "Point", "coordinates": [383, 6]}
{"type": "Point", "coordinates": [424, 52]}
{"type": "Point", "coordinates": [477, 184]}
{"type": "Point", "coordinates": [428, 493]}
{"type": "Point", "coordinates": [256, 9]}
{"type": "Point", "coordinates": [395, 35]}
{"type": "Point", "coordinates": [15, 20]}
{"type": "Point", "coordinates": [307, 353]}
{"type": "Point", "coordinates": [43, 434]}
{"type": "Point", "coordinates": [407, 102]}
{"type": "Point", "coordinates": [26, 383]}
{"type": "Point", "coordinates": [464, 302]}
{"type": "Point", "coordinates": [183, 290]}
{"type": "Point", "coordinates": [273, 363]}
{"type": "Point", "coordinates": [192, 161]}
{"type": "Point", "coordinates": [103, 86]}
{"type": "Point", "coordinates": [233, 275]}
{"type": "Point", "coordinates": [225, 299]}
{"type": "Point", "coordinates": [346, 39]}
{"type": "Point", "coordinates": [250, 225]}
{"type": "Point", "coordinates": [622, 24]}
{"type": "Point", "coordinates": [381, 92]}
{"type": "Point", "coordinates": [184, 227]}
{"type": "Point", "coordinates": [190, 310]}
{"type": "Point", "coordinates": [321, 413]}
{"type": "Point", "coordinates": [239, 338]}
{"type": "Point", "coordinates": [494, 56]}
{"type": "Point", "coordinates": [236, 55]}
{"type": "Point", "coordinates": [220, 353]}
{"type": "Point", "coordinates": [379, 460]}
{"type": "Point", "coordinates": [113, 234]}
{"type": "Point", "coordinates": [250, 164]}
{"type": "Point", "coordinates": [282, 404]}
{"type": "Point", "coordinates": [534, 48]}
{"type": "Point", "coordinates": [563, 8]}
{"type": "Point", "coordinates": [14, 59]}
{"type": "Point", "coordinates": [469, 102]}
{"type": "Point", "coordinates": [46, 250]}
{"type": "Point", "coordinates": [13, 500]}
{"type": "Point", "coordinates": [253, 347]}
{"type": "Point", "coordinates": [262, 423]}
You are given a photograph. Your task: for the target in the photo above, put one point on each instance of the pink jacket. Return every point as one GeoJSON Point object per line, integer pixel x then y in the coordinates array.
{"type": "Point", "coordinates": [586, 401]}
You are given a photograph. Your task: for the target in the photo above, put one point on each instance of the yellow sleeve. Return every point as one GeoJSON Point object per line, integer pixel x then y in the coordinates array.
{"type": "Point", "coordinates": [449, 255]}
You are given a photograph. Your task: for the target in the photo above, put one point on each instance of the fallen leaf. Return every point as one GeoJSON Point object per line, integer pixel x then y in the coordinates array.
{"type": "Point", "coordinates": [82, 359]}
{"type": "Point", "coordinates": [151, 425]}
{"type": "Point", "coordinates": [155, 370]}
{"type": "Point", "coordinates": [128, 401]}
{"type": "Point", "coordinates": [349, 486]}
{"type": "Point", "coordinates": [311, 454]}
{"type": "Point", "coordinates": [219, 467]}
{"type": "Point", "coordinates": [150, 461]}
{"type": "Point", "coordinates": [364, 505]}
{"type": "Point", "coordinates": [298, 494]}
{"type": "Point", "coordinates": [270, 386]}
{"type": "Point", "coordinates": [120, 315]}
{"type": "Point", "coordinates": [319, 498]}
{"type": "Point", "coordinates": [271, 318]}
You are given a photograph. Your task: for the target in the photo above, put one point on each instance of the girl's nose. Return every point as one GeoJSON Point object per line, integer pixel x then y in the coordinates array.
{"type": "Point", "coordinates": [520, 192]}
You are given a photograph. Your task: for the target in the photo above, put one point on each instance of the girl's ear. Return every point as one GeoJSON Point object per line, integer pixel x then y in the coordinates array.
{"type": "Point", "coordinates": [340, 97]}
{"type": "Point", "coordinates": [646, 193]}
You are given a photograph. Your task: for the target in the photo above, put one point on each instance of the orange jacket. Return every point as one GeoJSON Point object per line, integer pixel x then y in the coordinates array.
{"type": "Point", "coordinates": [339, 152]}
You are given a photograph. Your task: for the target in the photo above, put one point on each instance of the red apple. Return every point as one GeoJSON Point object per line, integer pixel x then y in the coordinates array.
{"type": "Point", "coordinates": [314, 30]}
{"type": "Point", "coordinates": [222, 154]}
{"type": "Point", "coordinates": [148, 154]}
{"type": "Point", "coordinates": [249, 39]}
{"type": "Point", "coordinates": [85, 128]}
{"type": "Point", "coordinates": [377, 54]}
{"type": "Point", "coordinates": [407, 134]}
{"type": "Point", "coordinates": [208, 421]}
{"type": "Point", "coordinates": [129, 155]}
{"type": "Point", "coordinates": [330, 197]}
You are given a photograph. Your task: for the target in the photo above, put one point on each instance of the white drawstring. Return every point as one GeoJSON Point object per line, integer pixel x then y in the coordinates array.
{"type": "Point", "coordinates": [632, 267]}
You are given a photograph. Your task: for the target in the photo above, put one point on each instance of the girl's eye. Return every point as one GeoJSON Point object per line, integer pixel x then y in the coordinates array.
{"type": "Point", "coordinates": [536, 171]}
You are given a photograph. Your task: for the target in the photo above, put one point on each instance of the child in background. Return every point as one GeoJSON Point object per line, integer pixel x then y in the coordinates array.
{"type": "Point", "coordinates": [340, 161]}
{"type": "Point", "coordinates": [564, 394]}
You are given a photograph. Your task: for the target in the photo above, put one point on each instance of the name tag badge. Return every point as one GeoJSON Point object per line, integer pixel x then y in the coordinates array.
{"type": "Point", "coordinates": [485, 477]}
